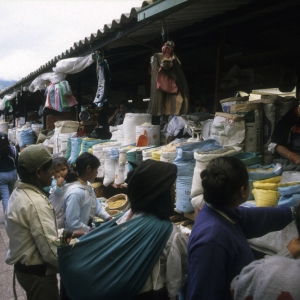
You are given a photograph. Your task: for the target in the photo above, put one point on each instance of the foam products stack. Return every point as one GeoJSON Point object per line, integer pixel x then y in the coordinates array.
{"type": "Point", "coordinates": [75, 149]}
{"type": "Point", "coordinates": [98, 152]}
{"type": "Point", "coordinates": [228, 129]}
{"type": "Point", "coordinates": [185, 163]}
{"type": "Point", "coordinates": [211, 151]}
{"type": "Point", "coordinates": [259, 172]}
{"type": "Point", "coordinates": [253, 113]}
{"type": "Point", "coordinates": [152, 133]}
{"type": "Point", "coordinates": [129, 126]}
{"type": "Point", "coordinates": [226, 103]}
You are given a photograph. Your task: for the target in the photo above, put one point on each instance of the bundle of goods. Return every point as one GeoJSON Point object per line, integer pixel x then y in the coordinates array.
{"type": "Point", "coordinates": [226, 103]}
{"type": "Point", "coordinates": [3, 126]}
{"type": "Point", "coordinates": [98, 152]}
{"type": "Point", "coordinates": [37, 128]}
{"type": "Point", "coordinates": [289, 195]}
{"type": "Point", "coordinates": [152, 132]}
{"type": "Point", "coordinates": [59, 96]}
{"type": "Point", "coordinates": [156, 154]}
{"type": "Point", "coordinates": [75, 149]}
{"type": "Point", "coordinates": [147, 152]}
{"type": "Point", "coordinates": [202, 157]}
{"type": "Point", "coordinates": [132, 153]}
{"type": "Point", "coordinates": [168, 152]}
{"type": "Point", "coordinates": [259, 172]}
{"type": "Point", "coordinates": [129, 126]}
{"type": "Point", "coordinates": [267, 192]}
{"type": "Point", "coordinates": [62, 132]}
{"type": "Point", "coordinates": [228, 129]}
{"type": "Point", "coordinates": [253, 113]}
{"type": "Point", "coordinates": [185, 163]}
{"type": "Point", "coordinates": [111, 155]}
{"type": "Point", "coordinates": [27, 137]}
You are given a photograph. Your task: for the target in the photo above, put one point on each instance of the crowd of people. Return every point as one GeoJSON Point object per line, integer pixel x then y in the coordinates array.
{"type": "Point", "coordinates": [49, 204]}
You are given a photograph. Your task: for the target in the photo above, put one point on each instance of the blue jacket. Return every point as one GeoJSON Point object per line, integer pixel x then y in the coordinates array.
{"type": "Point", "coordinates": [218, 247]}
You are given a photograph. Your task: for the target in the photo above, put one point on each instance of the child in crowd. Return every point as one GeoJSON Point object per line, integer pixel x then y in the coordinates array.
{"type": "Point", "coordinates": [63, 174]}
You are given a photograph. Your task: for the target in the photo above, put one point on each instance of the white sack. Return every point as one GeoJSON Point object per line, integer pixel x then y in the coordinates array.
{"type": "Point", "coordinates": [228, 129]}
{"type": "Point", "coordinates": [202, 159]}
{"type": "Point", "coordinates": [130, 122]}
{"type": "Point", "coordinates": [109, 168]}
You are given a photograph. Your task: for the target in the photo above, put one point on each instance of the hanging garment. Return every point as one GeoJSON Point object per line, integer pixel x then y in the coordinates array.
{"type": "Point", "coordinates": [103, 92]}
{"type": "Point", "coordinates": [113, 261]}
{"type": "Point", "coordinates": [162, 102]}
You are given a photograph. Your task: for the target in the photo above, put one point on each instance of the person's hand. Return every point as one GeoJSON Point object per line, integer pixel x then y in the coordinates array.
{"type": "Point", "coordinates": [78, 233]}
{"type": "Point", "coordinates": [294, 247]}
{"type": "Point", "coordinates": [60, 181]}
{"type": "Point", "coordinates": [117, 111]}
{"type": "Point", "coordinates": [297, 160]}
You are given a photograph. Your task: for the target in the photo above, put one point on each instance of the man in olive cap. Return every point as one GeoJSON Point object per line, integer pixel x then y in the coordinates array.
{"type": "Point", "coordinates": [31, 226]}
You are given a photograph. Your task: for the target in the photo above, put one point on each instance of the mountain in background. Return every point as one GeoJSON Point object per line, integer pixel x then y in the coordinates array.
{"type": "Point", "coordinates": [5, 84]}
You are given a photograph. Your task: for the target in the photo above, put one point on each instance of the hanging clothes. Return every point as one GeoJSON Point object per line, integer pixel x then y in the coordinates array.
{"type": "Point", "coordinates": [103, 92]}
{"type": "Point", "coordinates": [169, 90]}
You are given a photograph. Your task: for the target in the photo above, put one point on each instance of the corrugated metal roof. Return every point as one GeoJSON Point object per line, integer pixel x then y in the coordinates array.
{"type": "Point", "coordinates": [201, 14]}
{"type": "Point", "coordinates": [108, 28]}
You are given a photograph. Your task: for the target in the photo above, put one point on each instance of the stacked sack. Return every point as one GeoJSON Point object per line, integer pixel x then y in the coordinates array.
{"type": "Point", "coordinates": [185, 163]}
{"type": "Point", "coordinates": [202, 158]}
{"type": "Point", "coordinates": [258, 172]}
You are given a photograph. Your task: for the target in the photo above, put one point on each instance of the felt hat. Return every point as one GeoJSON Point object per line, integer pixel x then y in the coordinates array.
{"type": "Point", "coordinates": [34, 157]}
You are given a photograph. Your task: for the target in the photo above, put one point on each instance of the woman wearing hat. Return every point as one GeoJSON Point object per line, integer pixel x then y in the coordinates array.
{"type": "Point", "coordinates": [8, 171]}
{"type": "Point", "coordinates": [31, 226]}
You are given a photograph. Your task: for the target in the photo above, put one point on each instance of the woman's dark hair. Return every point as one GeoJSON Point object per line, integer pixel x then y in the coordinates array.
{"type": "Point", "coordinates": [84, 160]}
{"type": "Point", "coordinates": [5, 149]}
{"type": "Point", "coordinates": [149, 188]}
{"type": "Point", "coordinates": [222, 179]}
{"type": "Point", "coordinates": [26, 176]}
{"type": "Point", "coordinates": [62, 161]}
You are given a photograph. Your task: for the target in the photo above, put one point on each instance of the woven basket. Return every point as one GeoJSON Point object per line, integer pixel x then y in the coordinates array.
{"type": "Point", "coordinates": [113, 212]}
{"type": "Point", "coordinates": [116, 198]}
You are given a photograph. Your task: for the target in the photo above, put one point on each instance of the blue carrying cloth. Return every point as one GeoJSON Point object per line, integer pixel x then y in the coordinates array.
{"type": "Point", "coordinates": [113, 261]}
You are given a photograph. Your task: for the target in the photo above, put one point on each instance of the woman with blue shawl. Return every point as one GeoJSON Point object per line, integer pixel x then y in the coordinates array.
{"type": "Point", "coordinates": [140, 255]}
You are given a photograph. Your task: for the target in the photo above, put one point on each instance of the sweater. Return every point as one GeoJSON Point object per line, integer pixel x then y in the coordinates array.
{"type": "Point", "coordinates": [287, 131]}
{"type": "Point", "coordinates": [9, 163]}
{"type": "Point", "coordinates": [274, 277]}
{"type": "Point", "coordinates": [218, 247]}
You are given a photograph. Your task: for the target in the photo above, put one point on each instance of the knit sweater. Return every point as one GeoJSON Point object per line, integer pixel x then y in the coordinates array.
{"type": "Point", "coordinates": [274, 277]}
{"type": "Point", "coordinates": [218, 247]}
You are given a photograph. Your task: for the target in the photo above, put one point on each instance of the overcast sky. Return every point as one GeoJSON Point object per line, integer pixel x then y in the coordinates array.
{"type": "Point", "coordinates": [32, 32]}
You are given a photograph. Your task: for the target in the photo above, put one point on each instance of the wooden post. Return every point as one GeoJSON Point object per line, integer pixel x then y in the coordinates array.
{"type": "Point", "coordinates": [78, 96]}
{"type": "Point", "coordinates": [218, 69]}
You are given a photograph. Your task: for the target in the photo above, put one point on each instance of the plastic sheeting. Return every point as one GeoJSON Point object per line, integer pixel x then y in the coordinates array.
{"type": "Point", "coordinates": [73, 65]}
